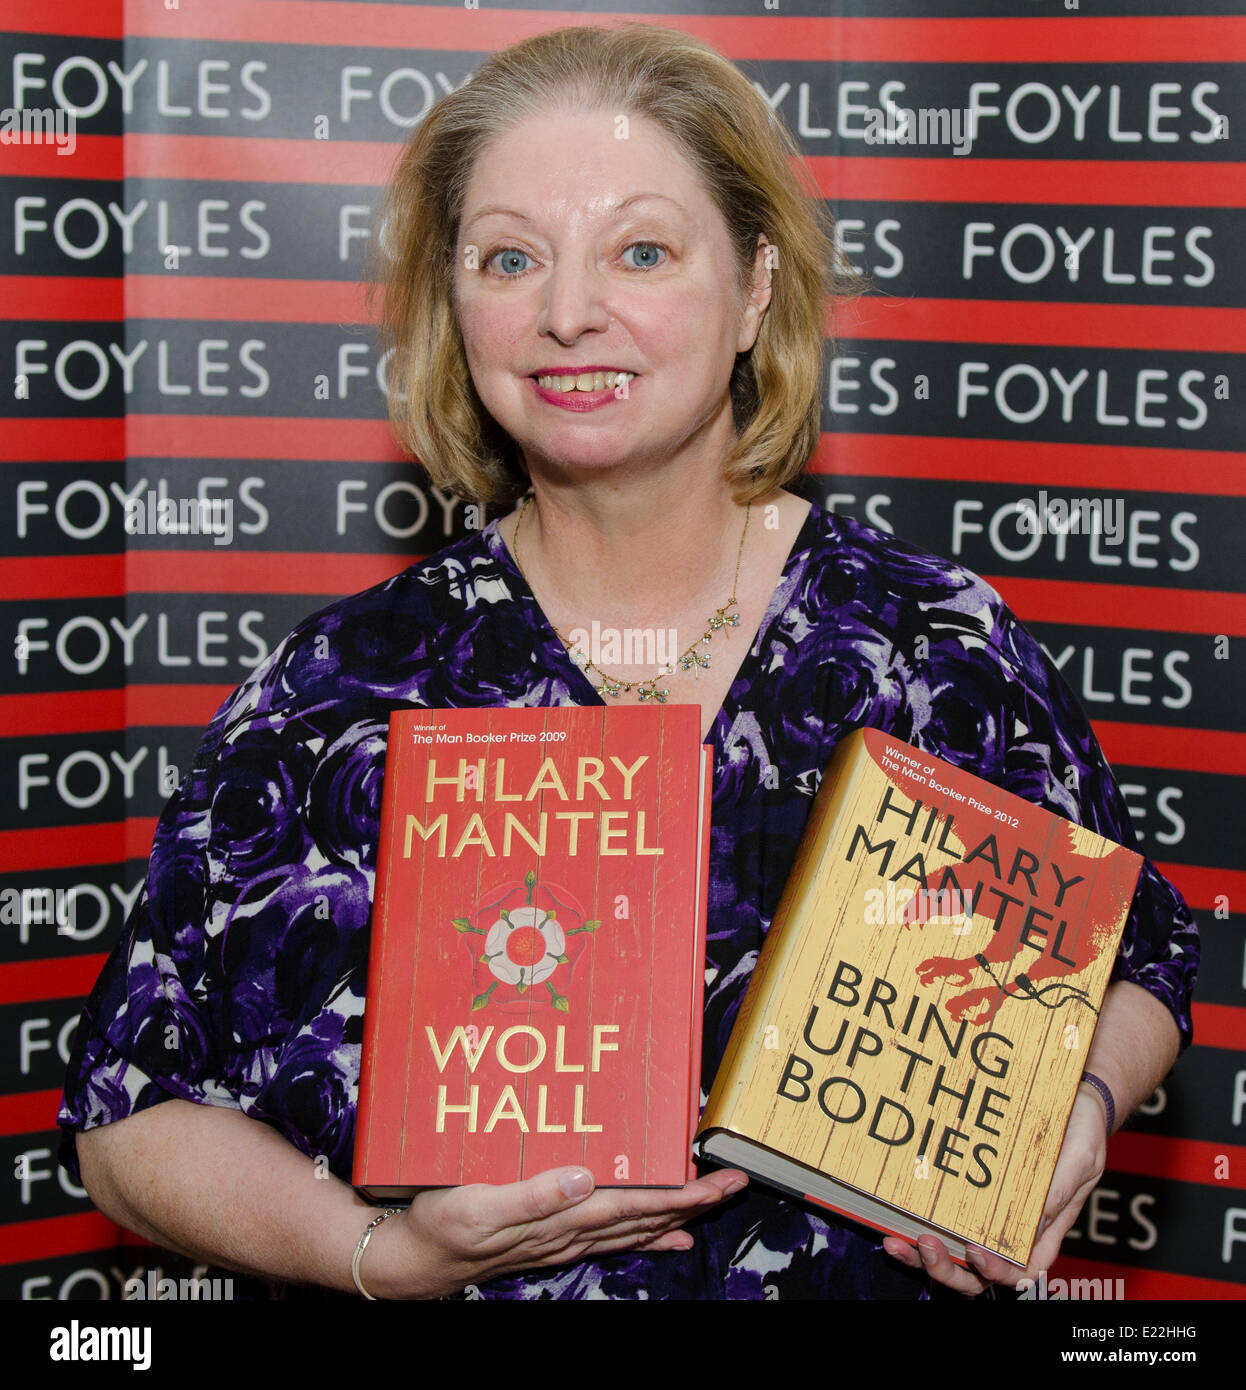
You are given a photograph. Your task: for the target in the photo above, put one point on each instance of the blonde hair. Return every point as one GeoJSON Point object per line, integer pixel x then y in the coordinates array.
{"type": "Point", "coordinates": [744, 154]}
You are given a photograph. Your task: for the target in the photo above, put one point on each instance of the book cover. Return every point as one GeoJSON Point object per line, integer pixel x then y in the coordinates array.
{"type": "Point", "coordinates": [537, 963]}
{"type": "Point", "coordinates": [910, 1044]}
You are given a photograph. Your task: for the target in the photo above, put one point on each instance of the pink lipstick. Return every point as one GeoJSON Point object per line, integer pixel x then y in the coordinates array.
{"type": "Point", "coordinates": [576, 400]}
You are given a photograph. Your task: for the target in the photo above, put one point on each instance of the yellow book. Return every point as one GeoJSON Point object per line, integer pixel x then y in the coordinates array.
{"type": "Point", "coordinates": [911, 1041]}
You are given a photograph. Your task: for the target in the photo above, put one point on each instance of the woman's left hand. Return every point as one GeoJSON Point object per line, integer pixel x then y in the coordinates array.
{"type": "Point", "coordinates": [1078, 1168]}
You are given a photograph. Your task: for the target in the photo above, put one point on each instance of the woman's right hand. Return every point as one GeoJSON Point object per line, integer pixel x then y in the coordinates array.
{"type": "Point", "coordinates": [451, 1237]}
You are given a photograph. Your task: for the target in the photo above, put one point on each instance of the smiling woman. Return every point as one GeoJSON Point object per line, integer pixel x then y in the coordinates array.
{"type": "Point", "coordinates": [677, 319]}
{"type": "Point", "coordinates": [622, 178]}
{"type": "Point", "coordinates": [604, 282]}
{"type": "Point", "coordinates": [603, 298]}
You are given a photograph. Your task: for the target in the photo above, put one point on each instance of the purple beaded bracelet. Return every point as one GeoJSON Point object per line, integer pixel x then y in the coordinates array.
{"type": "Point", "coordinates": [1102, 1087]}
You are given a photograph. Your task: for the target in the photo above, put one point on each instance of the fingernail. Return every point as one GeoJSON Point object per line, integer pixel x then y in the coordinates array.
{"type": "Point", "coordinates": [927, 1254]}
{"type": "Point", "coordinates": [734, 1186]}
{"type": "Point", "coordinates": [975, 1258]}
{"type": "Point", "coordinates": [576, 1183]}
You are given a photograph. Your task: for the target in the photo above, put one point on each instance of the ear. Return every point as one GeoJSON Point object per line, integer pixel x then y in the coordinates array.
{"type": "Point", "coordinates": [759, 293]}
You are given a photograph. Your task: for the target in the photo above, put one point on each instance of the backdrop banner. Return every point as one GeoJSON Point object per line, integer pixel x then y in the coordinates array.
{"type": "Point", "coordinates": [1043, 384]}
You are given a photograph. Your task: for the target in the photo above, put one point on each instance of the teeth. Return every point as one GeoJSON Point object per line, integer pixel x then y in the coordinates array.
{"type": "Point", "coordinates": [586, 381]}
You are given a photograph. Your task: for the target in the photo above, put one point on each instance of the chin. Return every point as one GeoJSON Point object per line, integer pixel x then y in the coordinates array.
{"type": "Point", "coordinates": [578, 453]}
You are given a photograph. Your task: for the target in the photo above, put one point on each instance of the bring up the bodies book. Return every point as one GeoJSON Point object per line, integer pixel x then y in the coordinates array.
{"type": "Point", "coordinates": [915, 1029]}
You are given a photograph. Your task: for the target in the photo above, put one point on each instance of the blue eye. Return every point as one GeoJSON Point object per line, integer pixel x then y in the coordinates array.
{"type": "Point", "coordinates": [508, 259]}
{"type": "Point", "coordinates": [649, 246]}
{"type": "Point", "coordinates": [509, 262]}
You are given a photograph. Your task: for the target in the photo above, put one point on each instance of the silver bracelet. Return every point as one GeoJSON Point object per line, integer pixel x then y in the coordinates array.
{"type": "Point", "coordinates": [363, 1245]}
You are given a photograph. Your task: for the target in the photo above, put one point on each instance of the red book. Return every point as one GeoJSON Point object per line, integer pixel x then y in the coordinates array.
{"type": "Point", "coordinates": [537, 967]}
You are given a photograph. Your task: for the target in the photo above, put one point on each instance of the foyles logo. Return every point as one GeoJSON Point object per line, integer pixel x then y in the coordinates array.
{"type": "Point", "coordinates": [77, 1343]}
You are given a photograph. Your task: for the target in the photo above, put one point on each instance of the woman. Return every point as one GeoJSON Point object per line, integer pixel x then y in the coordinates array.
{"type": "Point", "coordinates": [606, 286]}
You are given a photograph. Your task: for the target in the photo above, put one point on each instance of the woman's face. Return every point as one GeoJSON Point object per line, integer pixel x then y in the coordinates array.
{"type": "Point", "coordinates": [583, 252]}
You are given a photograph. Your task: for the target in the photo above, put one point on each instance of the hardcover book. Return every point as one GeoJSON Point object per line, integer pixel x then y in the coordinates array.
{"type": "Point", "coordinates": [537, 967]}
{"type": "Point", "coordinates": [911, 1041]}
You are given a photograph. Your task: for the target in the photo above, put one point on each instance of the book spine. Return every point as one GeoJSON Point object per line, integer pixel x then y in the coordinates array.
{"type": "Point", "coordinates": [376, 954]}
{"type": "Point", "coordinates": [780, 944]}
{"type": "Point", "coordinates": [698, 955]}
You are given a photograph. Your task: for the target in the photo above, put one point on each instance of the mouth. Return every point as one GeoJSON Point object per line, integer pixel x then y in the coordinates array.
{"type": "Point", "coordinates": [588, 380]}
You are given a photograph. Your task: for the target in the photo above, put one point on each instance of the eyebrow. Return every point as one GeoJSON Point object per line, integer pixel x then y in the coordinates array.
{"type": "Point", "coordinates": [495, 210]}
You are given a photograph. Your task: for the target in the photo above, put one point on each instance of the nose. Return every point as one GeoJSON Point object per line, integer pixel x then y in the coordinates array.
{"type": "Point", "coordinates": [574, 300]}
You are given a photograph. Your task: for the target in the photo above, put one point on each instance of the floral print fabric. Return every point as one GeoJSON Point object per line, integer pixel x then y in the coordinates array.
{"type": "Point", "coordinates": [239, 978]}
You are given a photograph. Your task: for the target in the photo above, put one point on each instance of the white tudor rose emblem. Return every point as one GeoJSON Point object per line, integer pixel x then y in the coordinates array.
{"type": "Point", "coordinates": [525, 947]}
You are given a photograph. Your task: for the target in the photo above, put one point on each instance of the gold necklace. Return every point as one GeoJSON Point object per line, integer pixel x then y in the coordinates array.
{"type": "Point", "coordinates": [691, 659]}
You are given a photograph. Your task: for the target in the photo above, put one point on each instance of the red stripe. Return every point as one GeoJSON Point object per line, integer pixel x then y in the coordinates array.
{"type": "Point", "coordinates": [94, 19]}
{"type": "Point", "coordinates": [274, 437]}
{"type": "Point", "coordinates": [1113, 467]}
{"type": "Point", "coordinates": [899, 179]}
{"type": "Point", "coordinates": [62, 576]}
{"type": "Point", "coordinates": [430, 29]}
{"type": "Point", "coordinates": [1179, 327]}
{"type": "Point", "coordinates": [62, 977]}
{"type": "Point", "coordinates": [425, 28]}
{"type": "Point", "coordinates": [1101, 605]}
{"type": "Point", "coordinates": [273, 572]}
{"type": "Point", "coordinates": [90, 711]}
{"type": "Point", "coordinates": [1146, 1283]}
{"type": "Point", "coordinates": [192, 706]}
{"type": "Point", "coordinates": [47, 297]}
{"type": "Point", "coordinates": [140, 831]}
{"type": "Point", "coordinates": [29, 1113]}
{"type": "Point", "coordinates": [173, 706]}
{"type": "Point", "coordinates": [1182, 1160]}
{"type": "Point", "coordinates": [257, 157]}
{"type": "Point", "coordinates": [72, 846]}
{"type": "Point", "coordinates": [66, 846]}
{"type": "Point", "coordinates": [320, 574]}
{"type": "Point", "coordinates": [1188, 750]}
{"type": "Point", "coordinates": [93, 157]}
{"type": "Point", "coordinates": [1039, 181]}
{"type": "Point", "coordinates": [194, 572]}
{"type": "Point", "coordinates": [1206, 887]}
{"type": "Point", "coordinates": [50, 441]}
{"type": "Point", "coordinates": [62, 1235]}
{"type": "Point", "coordinates": [61, 712]}
{"type": "Point", "coordinates": [75, 846]}
{"type": "Point", "coordinates": [259, 301]}
{"type": "Point", "coordinates": [1219, 1025]}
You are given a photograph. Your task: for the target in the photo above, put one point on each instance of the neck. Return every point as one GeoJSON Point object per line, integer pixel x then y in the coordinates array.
{"type": "Point", "coordinates": [632, 553]}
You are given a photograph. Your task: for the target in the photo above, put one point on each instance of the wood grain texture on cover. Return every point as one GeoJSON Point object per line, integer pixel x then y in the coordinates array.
{"type": "Point", "coordinates": [926, 997]}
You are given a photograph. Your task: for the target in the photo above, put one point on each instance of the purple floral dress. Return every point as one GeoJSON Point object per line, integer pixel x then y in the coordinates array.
{"type": "Point", "coordinates": [239, 978]}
